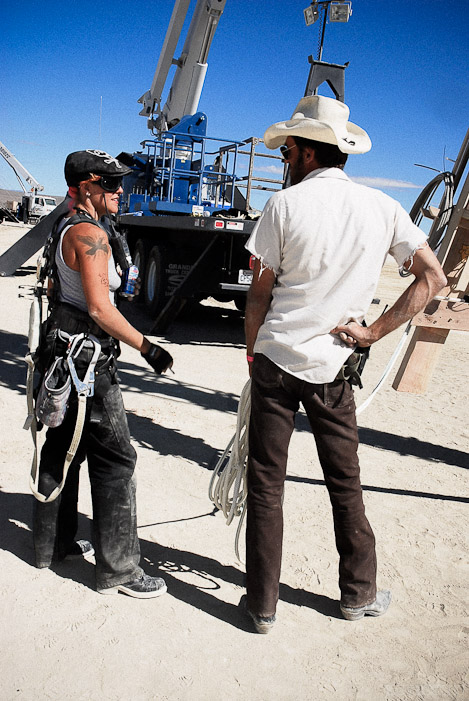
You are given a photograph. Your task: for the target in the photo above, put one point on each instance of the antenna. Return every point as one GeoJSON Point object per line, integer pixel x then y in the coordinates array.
{"type": "Point", "coordinates": [100, 119]}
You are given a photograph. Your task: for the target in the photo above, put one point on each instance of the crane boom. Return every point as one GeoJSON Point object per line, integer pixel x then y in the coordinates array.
{"type": "Point", "coordinates": [185, 91]}
{"type": "Point", "coordinates": [20, 170]}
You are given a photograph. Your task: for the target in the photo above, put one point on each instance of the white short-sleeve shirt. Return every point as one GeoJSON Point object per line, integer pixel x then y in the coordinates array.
{"type": "Point", "coordinates": [326, 239]}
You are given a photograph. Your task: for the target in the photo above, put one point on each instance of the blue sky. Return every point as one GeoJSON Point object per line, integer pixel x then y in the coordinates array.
{"type": "Point", "coordinates": [407, 82]}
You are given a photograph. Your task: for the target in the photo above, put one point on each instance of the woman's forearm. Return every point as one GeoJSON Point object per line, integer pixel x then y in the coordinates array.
{"type": "Point", "coordinates": [116, 325]}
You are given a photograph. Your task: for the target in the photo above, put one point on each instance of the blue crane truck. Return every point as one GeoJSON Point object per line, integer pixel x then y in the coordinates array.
{"type": "Point", "coordinates": [186, 209]}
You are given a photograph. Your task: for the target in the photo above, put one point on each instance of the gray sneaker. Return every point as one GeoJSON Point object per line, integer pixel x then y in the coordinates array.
{"type": "Point", "coordinates": [262, 624]}
{"type": "Point", "coordinates": [145, 587]}
{"type": "Point", "coordinates": [379, 606]}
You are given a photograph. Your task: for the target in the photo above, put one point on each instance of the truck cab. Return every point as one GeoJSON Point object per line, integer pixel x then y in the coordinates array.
{"type": "Point", "coordinates": [35, 207]}
{"type": "Point", "coordinates": [42, 206]}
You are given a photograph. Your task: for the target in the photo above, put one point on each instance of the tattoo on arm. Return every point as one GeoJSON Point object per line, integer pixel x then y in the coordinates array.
{"type": "Point", "coordinates": [94, 244]}
{"type": "Point", "coordinates": [104, 280]}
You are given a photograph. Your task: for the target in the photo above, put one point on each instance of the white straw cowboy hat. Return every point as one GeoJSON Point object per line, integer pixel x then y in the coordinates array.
{"type": "Point", "coordinates": [321, 119]}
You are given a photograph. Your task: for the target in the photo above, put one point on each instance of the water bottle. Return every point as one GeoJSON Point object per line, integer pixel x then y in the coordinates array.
{"type": "Point", "coordinates": [128, 282]}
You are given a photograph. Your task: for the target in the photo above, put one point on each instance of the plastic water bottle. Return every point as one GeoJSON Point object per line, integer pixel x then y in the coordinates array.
{"type": "Point", "coordinates": [129, 280]}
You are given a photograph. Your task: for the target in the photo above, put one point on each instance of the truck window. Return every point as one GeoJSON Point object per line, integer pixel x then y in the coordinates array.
{"type": "Point", "coordinates": [51, 201]}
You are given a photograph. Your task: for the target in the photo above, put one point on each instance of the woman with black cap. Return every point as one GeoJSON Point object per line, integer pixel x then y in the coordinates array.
{"type": "Point", "coordinates": [85, 281]}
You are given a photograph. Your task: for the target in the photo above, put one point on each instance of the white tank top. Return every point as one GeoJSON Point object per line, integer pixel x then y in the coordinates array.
{"type": "Point", "coordinates": [71, 288]}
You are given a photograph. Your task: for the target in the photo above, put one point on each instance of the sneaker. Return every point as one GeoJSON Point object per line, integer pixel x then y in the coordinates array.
{"type": "Point", "coordinates": [145, 587]}
{"type": "Point", "coordinates": [80, 548]}
{"type": "Point", "coordinates": [379, 606]}
{"type": "Point", "coordinates": [262, 624]}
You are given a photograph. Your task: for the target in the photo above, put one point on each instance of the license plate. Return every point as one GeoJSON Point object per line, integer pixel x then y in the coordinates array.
{"type": "Point", "coordinates": [245, 277]}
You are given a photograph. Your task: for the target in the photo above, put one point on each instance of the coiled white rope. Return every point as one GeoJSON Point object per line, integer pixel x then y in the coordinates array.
{"type": "Point", "coordinates": [227, 488]}
{"type": "Point", "coordinates": [228, 485]}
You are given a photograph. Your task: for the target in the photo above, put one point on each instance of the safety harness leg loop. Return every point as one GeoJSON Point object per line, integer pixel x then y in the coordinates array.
{"type": "Point", "coordinates": [84, 388]}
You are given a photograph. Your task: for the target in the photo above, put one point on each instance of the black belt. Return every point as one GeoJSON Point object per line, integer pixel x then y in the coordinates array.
{"type": "Point", "coordinates": [73, 320]}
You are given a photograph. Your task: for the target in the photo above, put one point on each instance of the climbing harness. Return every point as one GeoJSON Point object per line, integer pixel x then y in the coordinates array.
{"type": "Point", "coordinates": [65, 366]}
{"type": "Point", "coordinates": [84, 389]}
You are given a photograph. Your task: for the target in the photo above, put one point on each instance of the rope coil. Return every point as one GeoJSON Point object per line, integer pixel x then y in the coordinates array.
{"type": "Point", "coordinates": [228, 484]}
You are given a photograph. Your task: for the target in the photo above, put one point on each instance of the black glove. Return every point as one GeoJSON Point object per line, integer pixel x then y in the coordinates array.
{"type": "Point", "coordinates": [159, 359]}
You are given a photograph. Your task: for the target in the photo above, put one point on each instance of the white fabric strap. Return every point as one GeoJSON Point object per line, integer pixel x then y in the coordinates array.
{"type": "Point", "coordinates": [34, 477]}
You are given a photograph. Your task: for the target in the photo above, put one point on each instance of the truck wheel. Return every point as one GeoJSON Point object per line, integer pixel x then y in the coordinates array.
{"type": "Point", "coordinates": [140, 258]}
{"type": "Point", "coordinates": [155, 281]}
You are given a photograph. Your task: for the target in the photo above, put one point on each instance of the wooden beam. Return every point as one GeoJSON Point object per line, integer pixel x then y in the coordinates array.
{"type": "Point", "coordinates": [420, 360]}
{"type": "Point", "coordinates": [444, 315]}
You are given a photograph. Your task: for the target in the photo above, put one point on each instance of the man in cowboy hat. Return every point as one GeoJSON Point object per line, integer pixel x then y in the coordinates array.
{"type": "Point", "coordinates": [319, 248]}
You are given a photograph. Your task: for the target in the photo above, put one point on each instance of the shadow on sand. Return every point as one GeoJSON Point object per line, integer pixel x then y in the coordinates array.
{"type": "Point", "coordinates": [206, 574]}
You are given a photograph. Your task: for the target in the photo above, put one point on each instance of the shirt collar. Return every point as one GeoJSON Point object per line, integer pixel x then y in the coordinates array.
{"type": "Point", "coordinates": [327, 173]}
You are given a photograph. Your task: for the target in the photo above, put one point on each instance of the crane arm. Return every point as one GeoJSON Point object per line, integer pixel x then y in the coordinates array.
{"type": "Point", "coordinates": [191, 67]}
{"type": "Point", "coordinates": [19, 170]}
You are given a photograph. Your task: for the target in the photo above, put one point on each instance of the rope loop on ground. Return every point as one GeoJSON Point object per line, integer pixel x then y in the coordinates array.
{"type": "Point", "coordinates": [228, 485]}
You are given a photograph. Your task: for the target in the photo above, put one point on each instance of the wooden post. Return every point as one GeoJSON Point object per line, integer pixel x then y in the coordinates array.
{"type": "Point", "coordinates": [451, 310]}
{"type": "Point", "coordinates": [440, 316]}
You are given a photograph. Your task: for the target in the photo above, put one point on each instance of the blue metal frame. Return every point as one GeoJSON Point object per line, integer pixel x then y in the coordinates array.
{"type": "Point", "coordinates": [177, 176]}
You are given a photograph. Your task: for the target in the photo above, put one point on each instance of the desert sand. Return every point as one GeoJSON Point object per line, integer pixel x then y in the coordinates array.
{"type": "Point", "coordinates": [62, 640]}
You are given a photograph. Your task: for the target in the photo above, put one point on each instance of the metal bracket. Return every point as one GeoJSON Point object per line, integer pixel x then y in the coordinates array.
{"type": "Point", "coordinates": [331, 73]}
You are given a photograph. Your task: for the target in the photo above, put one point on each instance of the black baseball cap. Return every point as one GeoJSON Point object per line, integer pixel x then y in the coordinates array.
{"type": "Point", "coordinates": [80, 164]}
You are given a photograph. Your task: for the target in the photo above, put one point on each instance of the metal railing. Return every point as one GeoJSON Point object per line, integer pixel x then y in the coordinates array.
{"type": "Point", "coordinates": [247, 181]}
{"type": "Point", "coordinates": [216, 182]}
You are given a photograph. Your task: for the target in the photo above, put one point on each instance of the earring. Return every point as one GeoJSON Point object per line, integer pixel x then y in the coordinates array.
{"type": "Point", "coordinates": [88, 194]}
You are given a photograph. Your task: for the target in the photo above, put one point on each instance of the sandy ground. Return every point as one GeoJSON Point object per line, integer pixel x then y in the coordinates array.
{"type": "Point", "coordinates": [62, 640]}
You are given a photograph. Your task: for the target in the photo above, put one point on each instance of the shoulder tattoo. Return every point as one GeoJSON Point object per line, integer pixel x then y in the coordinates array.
{"type": "Point", "coordinates": [95, 244]}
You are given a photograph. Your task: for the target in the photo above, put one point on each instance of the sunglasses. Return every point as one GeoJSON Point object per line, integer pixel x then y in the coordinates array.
{"type": "Point", "coordinates": [284, 151]}
{"type": "Point", "coordinates": [109, 183]}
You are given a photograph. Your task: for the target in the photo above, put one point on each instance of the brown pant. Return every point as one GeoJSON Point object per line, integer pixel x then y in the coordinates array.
{"type": "Point", "coordinates": [275, 399]}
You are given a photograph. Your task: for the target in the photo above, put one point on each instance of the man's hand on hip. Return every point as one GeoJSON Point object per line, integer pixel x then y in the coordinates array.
{"type": "Point", "coordinates": [354, 334]}
{"type": "Point", "coordinates": [429, 281]}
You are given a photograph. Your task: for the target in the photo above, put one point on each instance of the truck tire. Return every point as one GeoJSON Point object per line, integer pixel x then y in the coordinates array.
{"type": "Point", "coordinates": [155, 281]}
{"type": "Point", "coordinates": [140, 259]}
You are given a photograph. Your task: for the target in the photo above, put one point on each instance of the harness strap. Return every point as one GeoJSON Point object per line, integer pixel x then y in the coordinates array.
{"type": "Point", "coordinates": [85, 388]}
{"type": "Point", "coordinates": [34, 477]}
{"type": "Point", "coordinates": [29, 392]}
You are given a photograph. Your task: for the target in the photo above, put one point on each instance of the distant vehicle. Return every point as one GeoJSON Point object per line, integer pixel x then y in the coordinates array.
{"type": "Point", "coordinates": [33, 206]}
{"type": "Point", "coordinates": [37, 207]}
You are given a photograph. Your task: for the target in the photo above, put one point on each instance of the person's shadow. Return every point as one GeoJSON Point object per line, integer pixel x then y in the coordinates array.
{"type": "Point", "coordinates": [171, 563]}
